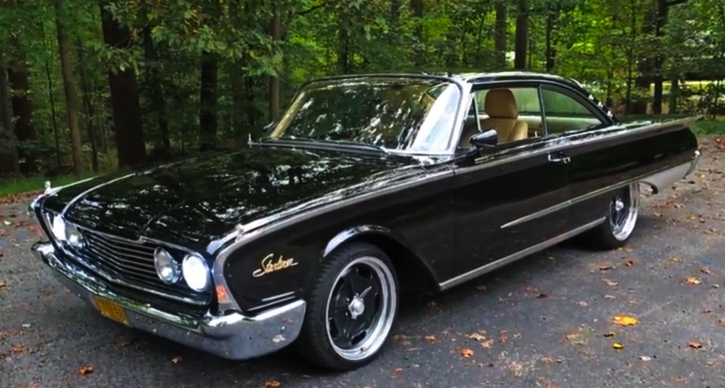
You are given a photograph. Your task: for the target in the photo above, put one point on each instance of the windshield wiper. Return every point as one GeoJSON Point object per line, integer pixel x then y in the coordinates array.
{"type": "Point", "coordinates": [312, 140]}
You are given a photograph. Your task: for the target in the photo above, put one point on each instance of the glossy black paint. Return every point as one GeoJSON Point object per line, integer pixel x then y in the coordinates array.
{"type": "Point", "coordinates": [436, 216]}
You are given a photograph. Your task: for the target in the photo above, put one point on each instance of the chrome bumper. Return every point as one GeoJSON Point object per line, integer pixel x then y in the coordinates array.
{"type": "Point", "coordinates": [693, 163]}
{"type": "Point", "coordinates": [232, 335]}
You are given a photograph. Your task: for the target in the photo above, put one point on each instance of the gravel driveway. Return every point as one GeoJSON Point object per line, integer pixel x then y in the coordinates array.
{"type": "Point", "coordinates": [546, 321]}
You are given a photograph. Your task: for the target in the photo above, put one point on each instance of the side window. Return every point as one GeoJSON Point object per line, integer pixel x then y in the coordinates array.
{"type": "Point", "coordinates": [513, 120]}
{"type": "Point", "coordinates": [564, 113]}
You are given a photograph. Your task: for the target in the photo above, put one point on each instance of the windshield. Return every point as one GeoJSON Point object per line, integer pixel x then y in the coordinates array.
{"type": "Point", "coordinates": [406, 114]}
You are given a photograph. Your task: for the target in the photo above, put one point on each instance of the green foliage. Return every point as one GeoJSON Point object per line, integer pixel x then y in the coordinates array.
{"type": "Point", "coordinates": [602, 43]}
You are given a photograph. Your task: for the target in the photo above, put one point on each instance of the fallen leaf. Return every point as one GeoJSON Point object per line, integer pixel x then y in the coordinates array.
{"type": "Point", "coordinates": [625, 320]}
{"type": "Point", "coordinates": [617, 346]}
{"type": "Point", "coordinates": [272, 384]}
{"type": "Point", "coordinates": [478, 337]}
{"type": "Point", "coordinates": [694, 345]}
{"type": "Point", "coordinates": [609, 297]}
{"type": "Point", "coordinates": [85, 370]}
{"type": "Point", "coordinates": [7, 222]}
{"type": "Point", "coordinates": [629, 263]}
{"type": "Point", "coordinates": [611, 283]}
{"type": "Point", "coordinates": [575, 338]}
{"type": "Point", "coordinates": [705, 270]}
{"type": "Point", "coordinates": [542, 295]}
{"type": "Point", "coordinates": [645, 358]}
{"type": "Point", "coordinates": [582, 303]}
{"type": "Point", "coordinates": [176, 360]}
{"type": "Point", "coordinates": [487, 344]}
{"type": "Point", "coordinates": [481, 288]}
{"type": "Point", "coordinates": [430, 338]}
{"type": "Point", "coordinates": [693, 280]}
{"type": "Point", "coordinates": [605, 267]}
{"type": "Point", "coordinates": [467, 353]}
{"type": "Point", "coordinates": [19, 348]}
{"type": "Point", "coordinates": [609, 334]}
{"type": "Point", "coordinates": [3, 284]}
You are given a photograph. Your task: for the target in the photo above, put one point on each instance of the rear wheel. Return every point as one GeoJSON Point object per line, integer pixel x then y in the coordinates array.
{"type": "Point", "coordinates": [620, 221]}
{"type": "Point", "coordinates": [351, 308]}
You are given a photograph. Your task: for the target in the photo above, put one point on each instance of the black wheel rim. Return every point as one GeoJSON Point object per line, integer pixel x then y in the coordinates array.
{"type": "Point", "coordinates": [355, 306]}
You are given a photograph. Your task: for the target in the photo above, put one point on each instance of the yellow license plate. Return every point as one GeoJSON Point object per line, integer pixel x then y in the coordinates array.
{"type": "Point", "coordinates": [111, 310]}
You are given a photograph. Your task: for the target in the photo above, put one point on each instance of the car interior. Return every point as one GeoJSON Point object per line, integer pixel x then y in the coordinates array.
{"type": "Point", "coordinates": [515, 114]}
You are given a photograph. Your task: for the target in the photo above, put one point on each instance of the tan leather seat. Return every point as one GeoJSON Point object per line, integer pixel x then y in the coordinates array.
{"type": "Point", "coordinates": [500, 106]}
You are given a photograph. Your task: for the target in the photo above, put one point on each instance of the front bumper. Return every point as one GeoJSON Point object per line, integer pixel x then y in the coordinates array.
{"type": "Point", "coordinates": [231, 335]}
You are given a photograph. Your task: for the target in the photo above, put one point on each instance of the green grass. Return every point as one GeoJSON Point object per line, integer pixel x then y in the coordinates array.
{"type": "Point", "coordinates": [34, 183]}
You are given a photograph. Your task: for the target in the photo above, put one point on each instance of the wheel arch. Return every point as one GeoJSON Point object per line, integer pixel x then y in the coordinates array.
{"type": "Point", "coordinates": [414, 275]}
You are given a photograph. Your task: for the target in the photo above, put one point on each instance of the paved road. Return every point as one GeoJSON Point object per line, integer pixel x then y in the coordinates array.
{"type": "Point", "coordinates": [543, 322]}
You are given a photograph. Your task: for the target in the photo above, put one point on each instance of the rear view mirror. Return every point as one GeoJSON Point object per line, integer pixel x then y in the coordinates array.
{"type": "Point", "coordinates": [485, 139]}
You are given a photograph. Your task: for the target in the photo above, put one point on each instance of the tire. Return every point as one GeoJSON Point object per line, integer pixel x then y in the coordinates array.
{"type": "Point", "coordinates": [351, 308]}
{"type": "Point", "coordinates": [620, 221]}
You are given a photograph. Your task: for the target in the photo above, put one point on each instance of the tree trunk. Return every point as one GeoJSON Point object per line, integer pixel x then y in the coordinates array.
{"type": "Point", "coordinates": [275, 32]}
{"type": "Point", "coordinates": [552, 17]}
{"type": "Point", "coordinates": [88, 107]}
{"type": "Point", "coordinates": [660, 23]}
{"type": "Point", "coordinates": [155, 95]}
{"type": "Point", "coordinates": [208, 101]}
{"type": "Point", "coordinates": [674, 95]}
{"type": "Point", "coordinates": [522, 34]}
{"type": "Point", "coordinates": [71, 98]}
{"type": "Point", "coordinates": [23, 109]}
{"type": "Point", "coordinates": [416, 8]}
{"type": "Point", "coordinates": [125, 102]}
{"type": "Point", "coordinates": [8, 146]}
{"type": "Point", "coordinates": [500, 38]}
{"type": "Point", "coordinates": [645, 67]}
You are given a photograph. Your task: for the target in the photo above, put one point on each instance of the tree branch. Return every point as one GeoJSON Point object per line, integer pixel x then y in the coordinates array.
{"type": "Point", "coordinates": [313, 8]}
{"type": "Point", "coordinates": [675, 2]}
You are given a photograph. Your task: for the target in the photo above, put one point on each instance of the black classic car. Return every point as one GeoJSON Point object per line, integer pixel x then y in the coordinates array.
{"type": "Point", "coordinates": [368, 186]}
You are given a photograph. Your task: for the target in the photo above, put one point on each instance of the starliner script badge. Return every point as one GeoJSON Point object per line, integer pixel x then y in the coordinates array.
{"type": "Point", "coordinates": [269, 265]}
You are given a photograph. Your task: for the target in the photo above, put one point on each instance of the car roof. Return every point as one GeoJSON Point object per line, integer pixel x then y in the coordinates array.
{"type": "Point", "coordinates": [470, 77]}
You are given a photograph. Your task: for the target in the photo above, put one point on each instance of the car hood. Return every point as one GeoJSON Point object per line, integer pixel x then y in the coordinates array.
{"type": "Point", "coordinates": [199, 200]}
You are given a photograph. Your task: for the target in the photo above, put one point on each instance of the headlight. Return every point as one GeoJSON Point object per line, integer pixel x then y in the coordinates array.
{"type": "Point", "coordinates": [57, 227]}
{"type": "Point", "coordinates": [196, 272]}
{"type": "Point", "coordinates": [73, 236]}
{"type": "Point", "coordinates": [166, 267]}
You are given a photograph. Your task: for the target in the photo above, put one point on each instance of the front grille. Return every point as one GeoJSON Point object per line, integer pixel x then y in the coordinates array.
{"type": "Point", "coordinates": [132, 263]}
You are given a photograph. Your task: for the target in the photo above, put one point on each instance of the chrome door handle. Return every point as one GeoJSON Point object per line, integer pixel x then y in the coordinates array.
{"type": "Point", "coordinates": [559, 158]}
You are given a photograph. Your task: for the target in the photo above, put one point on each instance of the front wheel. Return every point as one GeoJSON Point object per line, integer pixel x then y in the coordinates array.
{"type": "Point", "coordinates": [351, 308]}
{"type": "Point", "coordinates": [620, 220]}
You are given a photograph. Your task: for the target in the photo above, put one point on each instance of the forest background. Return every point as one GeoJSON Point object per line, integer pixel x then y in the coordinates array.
{"type": "Point", "coordinates": [90, 86]}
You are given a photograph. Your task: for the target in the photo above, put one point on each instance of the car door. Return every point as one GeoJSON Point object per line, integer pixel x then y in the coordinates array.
{"type": "Point", "coordinates": [505, 198]}
{"type": "Point", "coordinates": [569, 114]}
{"type": "Point", "coordinates": [599, 161]}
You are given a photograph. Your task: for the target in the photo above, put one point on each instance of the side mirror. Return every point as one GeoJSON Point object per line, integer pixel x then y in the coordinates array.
{"type": "Point", "coordinates": [485, 139]}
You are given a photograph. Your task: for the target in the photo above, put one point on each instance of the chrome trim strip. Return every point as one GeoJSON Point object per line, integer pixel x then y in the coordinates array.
{"type": "Point", "coordinates": [263, 306]}
{"type": "Point", "coordinates": [271, 298]}
{"type": "Point", "coordinates": [516, 256]}
{"type": "Point", "coordinates": [693, 164]}
{"type": "Point", "coordinates": [560, 143]}
{"type": "Point", "coordinates": [83, 194]}
{"type": "Point", "coordinates": [245, 234]}
{"type": "Point", "coordinates": [588, 196]}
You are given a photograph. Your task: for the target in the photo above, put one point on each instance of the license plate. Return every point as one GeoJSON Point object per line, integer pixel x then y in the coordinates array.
{"type": "Point", "coordinates": [111, 310]}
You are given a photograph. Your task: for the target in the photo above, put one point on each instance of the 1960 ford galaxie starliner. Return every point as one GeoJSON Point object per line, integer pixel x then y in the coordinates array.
{"type": "Point", "coordinates": [369, 185]}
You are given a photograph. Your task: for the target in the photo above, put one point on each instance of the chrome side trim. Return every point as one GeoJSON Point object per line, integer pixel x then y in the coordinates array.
{"type": "Point", "coordinates": [559, 144]}
{"type": "Point", "coordinates": [516, 256]}
{"type": "Point", "coordinates": [668, 173]}
{"type": "Point", "coordinates": [83, 194]}
{"type": "Point", "coordinates": [280, 296]}
{"type": "Point", "coordinates": [693, 165]}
